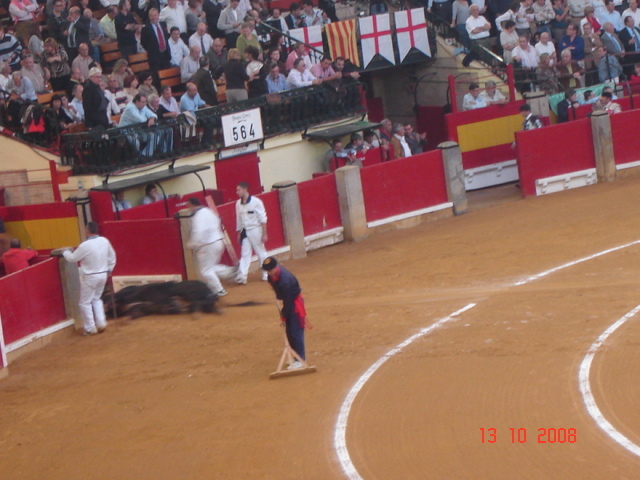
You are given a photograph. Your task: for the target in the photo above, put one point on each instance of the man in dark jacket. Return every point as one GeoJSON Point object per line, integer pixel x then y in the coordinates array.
{"type": "Point", "coordinates": [205, 83]}
{"type": "Point", "coordinates": [94, 102]}
{"type": "Point", "coordinates": [293, 313]}
{"type": "Point", "coordinates": [155, 41]}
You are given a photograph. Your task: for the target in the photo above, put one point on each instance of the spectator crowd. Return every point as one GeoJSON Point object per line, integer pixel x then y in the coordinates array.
{"type": "Point", "coordinates": [554, 45]}
{"type": "Point", "coordinates": [55, 47]}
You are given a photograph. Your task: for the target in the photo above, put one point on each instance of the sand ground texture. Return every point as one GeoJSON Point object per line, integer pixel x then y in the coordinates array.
{"type": "Point", "coordinates": [182, 398]}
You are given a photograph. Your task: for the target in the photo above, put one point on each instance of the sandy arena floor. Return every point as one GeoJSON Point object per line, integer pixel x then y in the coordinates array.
{"type": "Point", "coordinates": [178, 398]}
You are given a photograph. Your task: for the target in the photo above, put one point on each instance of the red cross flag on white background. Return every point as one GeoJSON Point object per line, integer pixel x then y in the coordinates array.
{"type": "Point", "coordinates": [311, 36]}
{"type": "Point", "coordinates": [375, 37]}
{"type": "Point", "coordinates": [411, 30]}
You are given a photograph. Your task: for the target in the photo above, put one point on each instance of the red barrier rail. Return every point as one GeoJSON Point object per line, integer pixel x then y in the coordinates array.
{"type": "Point", "coordinates": [403, 186]}
{"type": "Point", "coordinates": [31, 300]}
{"type": "Point", "coordinates": [624, 134]}
{"type": "Point", "coordinates": [319, 204]}
{"type": "Point", "coordinates": [539, 156]}
{"type": "Point", "coordinates": [146, 247]}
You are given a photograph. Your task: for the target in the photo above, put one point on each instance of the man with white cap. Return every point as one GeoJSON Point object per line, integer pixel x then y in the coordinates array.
{"type": "Point", "coordinates": [94, 101]}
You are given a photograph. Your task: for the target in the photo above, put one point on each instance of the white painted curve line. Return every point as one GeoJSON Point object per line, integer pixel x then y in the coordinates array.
{"type": "Point", "coordinates": [340, 435]}
{"type": "Point", "coordinates": [585, 387]}
{"type": "Point", "coordinates": [575, 262]}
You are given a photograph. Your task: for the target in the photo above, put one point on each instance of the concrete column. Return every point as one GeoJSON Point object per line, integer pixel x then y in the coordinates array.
{"type": "Point", "coordinates": [538, 102]}
{"type": "Point", "coordinates": [184, 216]}
{"type": "Point", "coordinates": [603, 146]}
{"type": "Point", "coordinates": [291, 217]}
{"type": "Point", "coordinates": [454, 176]}
{"type": "Point", "coordinates": [70, 277]}
{"type": "Point", "coordinates": [351, 199]}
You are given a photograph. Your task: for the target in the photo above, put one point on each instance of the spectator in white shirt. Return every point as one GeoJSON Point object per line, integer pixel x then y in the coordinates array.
{"type": "Point", "coordinates": [300, 77]}
{"type": "Point", "coordinates": [177, 47]}
{"type": "Point", "coordinates": [546, 46]}
{"type": "Point", "coordinates": [525, 53]}
{"type": "Point", "coordinates": [632, 11]}
{"type": "Point", "coordinates": [477, 26]}
{"type": "Point", "coordinates": [190, 64]}
{"type": "Point", "coordinates": [174, 16]}
{"type": "Point", "coordinates": [168, 101]}
{"type": "Point", "coordinates": [201, 38]}
{"type": "Point", "coordinates": [473, 100]}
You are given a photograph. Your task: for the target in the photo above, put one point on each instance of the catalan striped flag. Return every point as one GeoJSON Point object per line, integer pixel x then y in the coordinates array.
{"type": "Point", "coordinates": [342, 40]}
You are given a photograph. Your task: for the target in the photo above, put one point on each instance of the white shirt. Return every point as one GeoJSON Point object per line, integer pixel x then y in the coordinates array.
{"type": "Point", "coordinates": [205, 40]}
{"type": "Point", "coordinates": [549, 48]}
{"type": "Point", "coordinates": [529, 58]}
{"type": "Point", "coordinates": [188, 68]}
{"type": "Point", "coordinates": [404, 144]}
{"type": "Point", "coordinates": [178, 51]}
{"type": "Point", "coordinates": [297, 79]}
{"type": "Point", "coordinates": [630, 13]}
{"type": "Point", "coordinates": [95, 254]}
{"type": "Point", "coordinates": [171, 105]}
{"type": "Point", "coordinates": [473, 23]}
{"type": "Point", "coordinates": [174, 17]}
{"type": "Point", "coordinates": [205, 228]}
{"type": "Point", "coordinates": [470, 103]}
{"type": "Point", "coordinates": [251, 214]}
{"type": "Point", "coordinates": [497, 96]}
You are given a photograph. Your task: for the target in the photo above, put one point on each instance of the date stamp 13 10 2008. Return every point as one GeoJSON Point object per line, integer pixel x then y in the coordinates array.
{"type": "Point", "coordinates": [519, 435]}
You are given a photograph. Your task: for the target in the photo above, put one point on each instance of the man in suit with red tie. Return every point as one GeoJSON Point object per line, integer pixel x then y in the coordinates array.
{"type": "Point", "coordinates": [154, 40]}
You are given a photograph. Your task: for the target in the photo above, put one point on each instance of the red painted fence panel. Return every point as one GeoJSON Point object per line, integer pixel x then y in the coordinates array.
{"type": "Point", "coordinates": [146, 247]}
{"type": "Point", "coordinates": [319, 204]}
{"type": "Point", "coordinates": [31, 300]}
{"type": "Point", "coordinates": [624, 133]}
{"type": "Point", "coordinates": [554, 150]}
{"type": "Point", "coordinates": [402, 186]}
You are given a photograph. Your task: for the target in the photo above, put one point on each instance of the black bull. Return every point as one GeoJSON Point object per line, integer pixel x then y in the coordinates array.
{"type": "Point", "coordinates": [163, 298]}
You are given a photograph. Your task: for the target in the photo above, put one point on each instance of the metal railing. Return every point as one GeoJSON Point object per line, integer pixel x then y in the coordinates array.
{"type": "Point", "coordinates": [117, 149]}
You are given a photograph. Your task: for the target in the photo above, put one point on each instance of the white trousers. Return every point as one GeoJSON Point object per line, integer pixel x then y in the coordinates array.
{"type": "Point", "coordinates": [208, 258]}
{"type": "Point", "coordinates": [253, 240]}
{"type": "Point", "coordinates": [91, 306]}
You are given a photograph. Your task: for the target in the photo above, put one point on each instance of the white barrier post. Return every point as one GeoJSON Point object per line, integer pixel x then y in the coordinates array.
{"type": "Point", "coordinates": [351, 199]}
{"type": "Point", "coordinates": [454, 176]}
{"type": "Point", "coordinates": [603, 146]}
{"type": "Point", "coordinates": [291, 217]}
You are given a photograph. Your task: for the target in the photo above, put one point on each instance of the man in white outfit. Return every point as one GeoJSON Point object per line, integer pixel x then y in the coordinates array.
{"type": "Point", "coordinates": [97, 259]}
{"type": "Point", "coordinates": [206, 242]}
{"type": "Point", "coordinates": [251, 225]}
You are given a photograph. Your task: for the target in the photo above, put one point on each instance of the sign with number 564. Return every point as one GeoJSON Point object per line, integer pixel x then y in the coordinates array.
{"type": "Point", "coordinates": [242, 127]}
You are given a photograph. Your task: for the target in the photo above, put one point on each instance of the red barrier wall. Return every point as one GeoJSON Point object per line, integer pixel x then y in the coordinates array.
{"type": "Point", "coordinates": [31, 300]}
{"type": "Point", "coordinates": [43, 226]}
{"type": "Point", "coordinates": [624, 133]}
{"type": "Point", "coordinates": [493, 150]}
{"type": "Point", "coordinates": [38, 212]}
{"type": "Point", "coordinates": [319, 204]}
{"type": "Point", "coordinates": [432, 121]}
{"type": "Point", "coordinates": [231, 171]}
{"type": "Point", "coordinates": [375, 109]}
{"type": "Point", "coordinates": [554, 150]}
{"type": "Point", "coordinates": [146, 247]}
{"type": "Point", "coordinates": [583, 111]}
{"type": "Point", "coordinates": [102, 206]}
{"type": "Point", "coordinates": [404, 185]}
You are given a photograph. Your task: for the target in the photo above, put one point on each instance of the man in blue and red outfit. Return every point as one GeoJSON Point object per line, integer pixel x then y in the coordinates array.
{"type": "Point", "coordinates": [293, 313]}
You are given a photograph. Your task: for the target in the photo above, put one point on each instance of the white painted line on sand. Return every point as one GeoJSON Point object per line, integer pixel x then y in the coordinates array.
{"type": "Point", "coordinates": [575, 262]}
{"type": "Point", "coordinates": [340, 435]}
{"type": "Point", "coordinates": [585, 386]}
